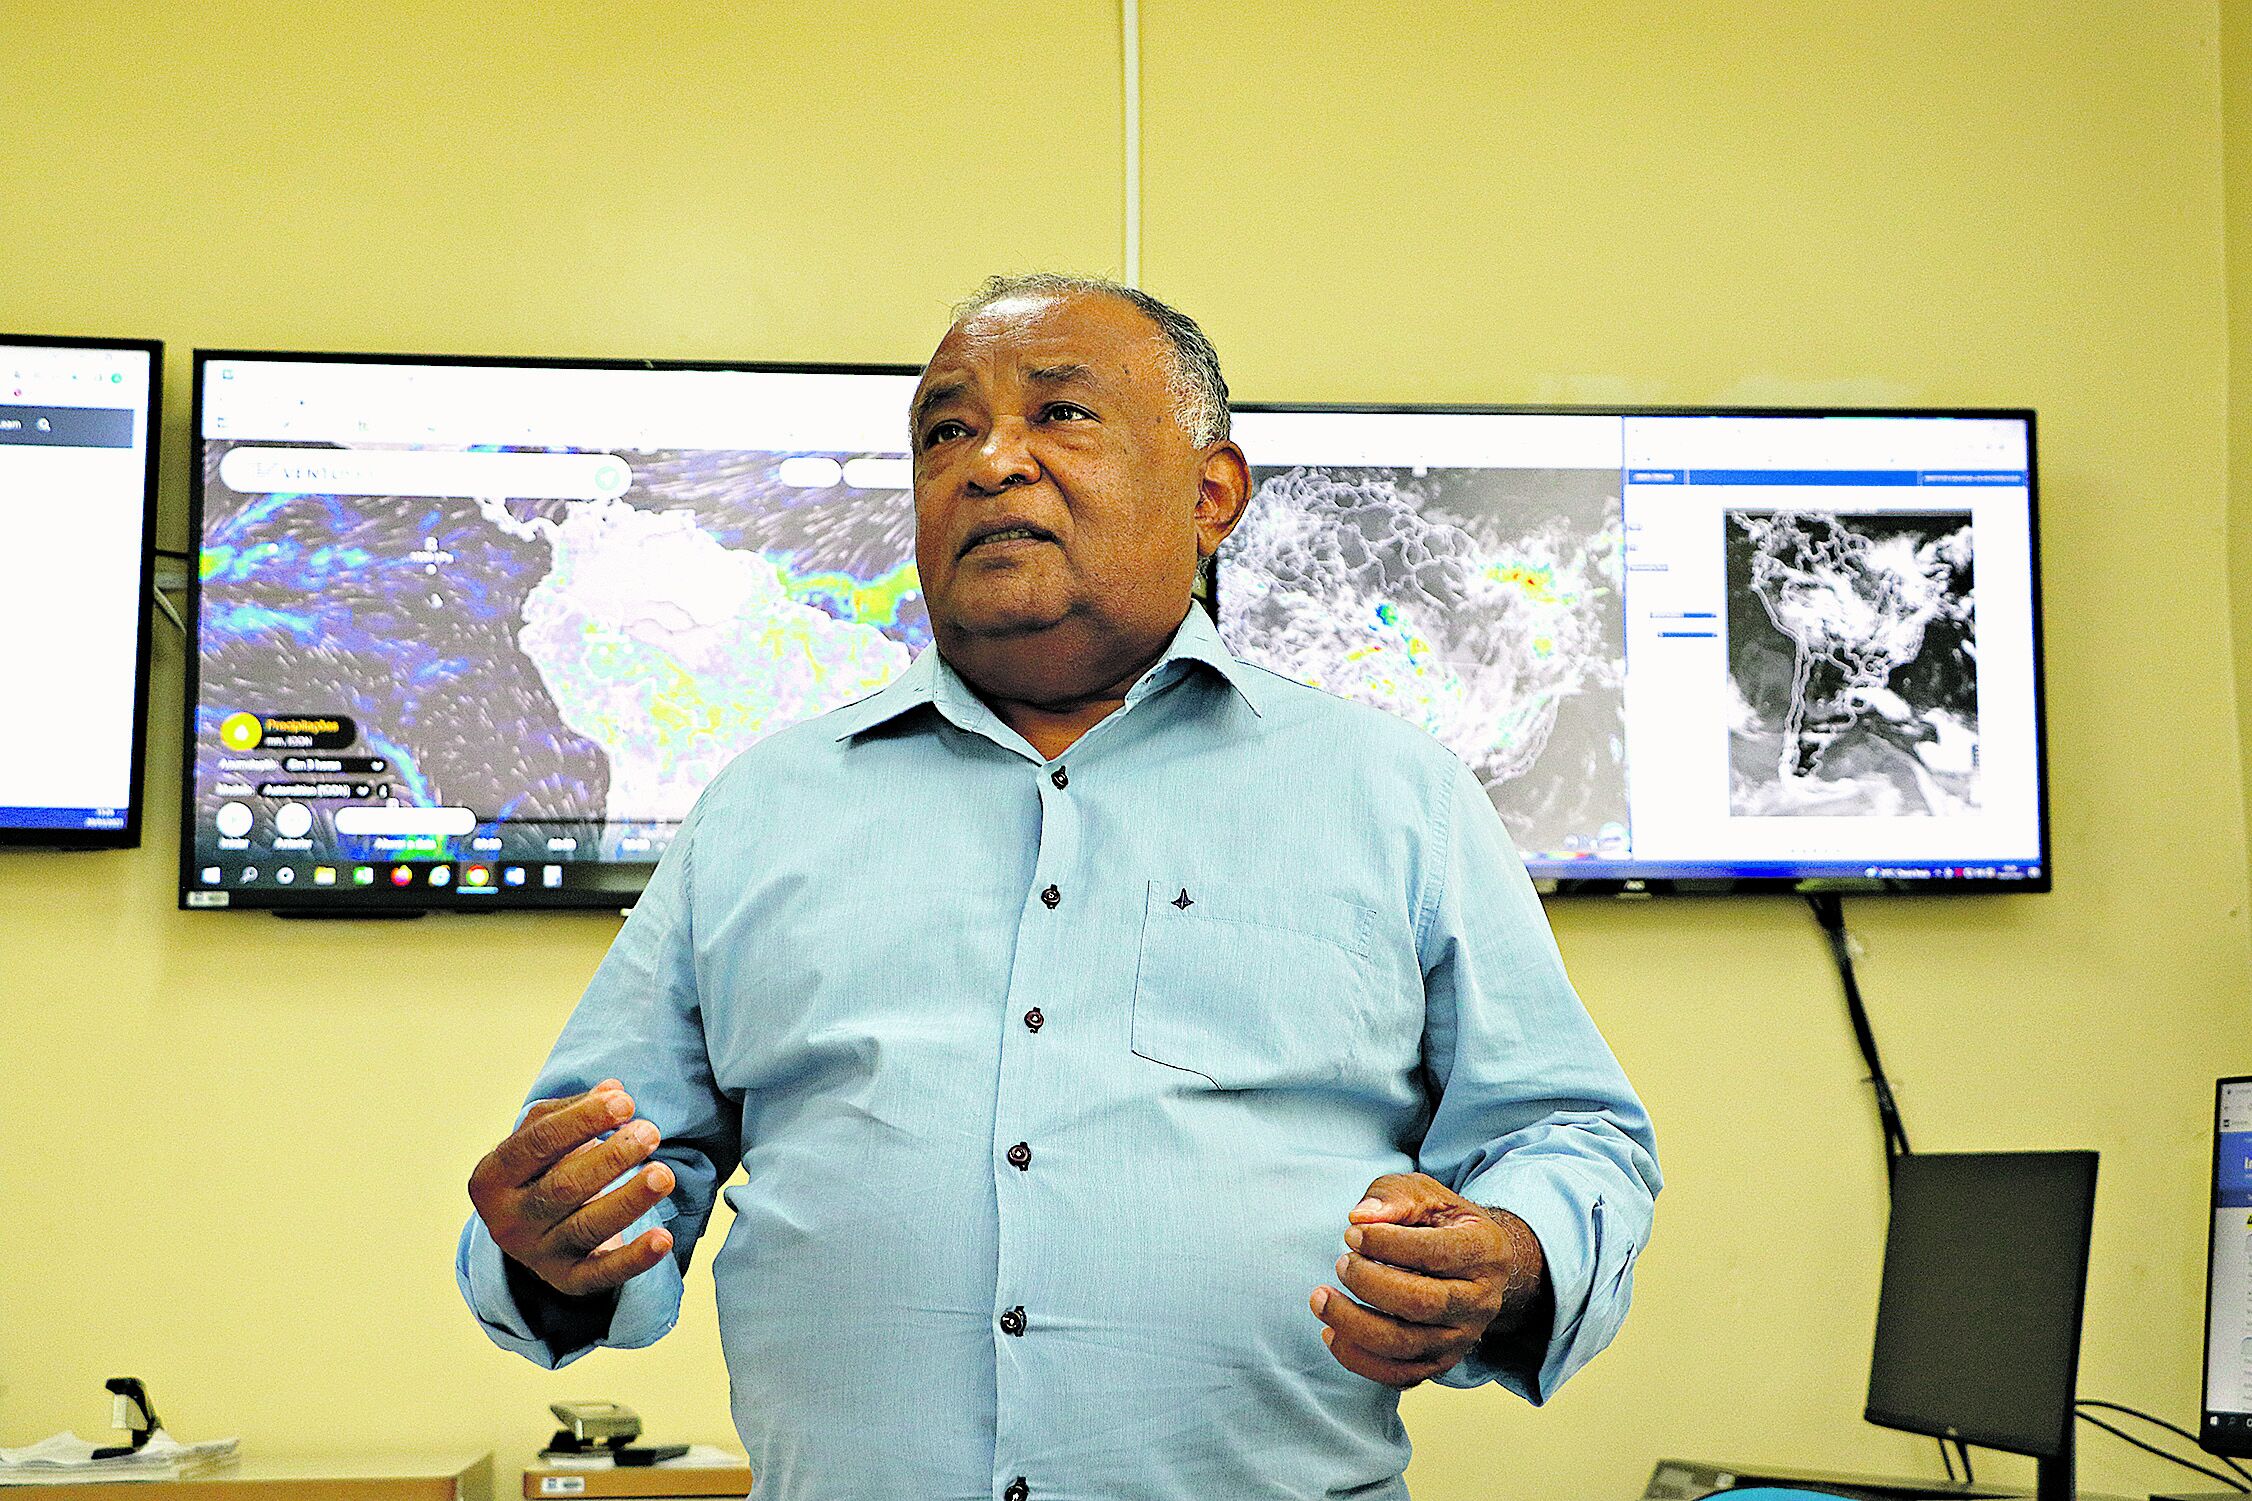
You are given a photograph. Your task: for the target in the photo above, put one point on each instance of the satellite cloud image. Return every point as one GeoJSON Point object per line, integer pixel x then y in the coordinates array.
{"type": "Point", "coordinates": [563, 662]}
{"type": "Point", "coordinates": [1480, 604]}
{"type": "Point", "coordinates": [1853, 664]}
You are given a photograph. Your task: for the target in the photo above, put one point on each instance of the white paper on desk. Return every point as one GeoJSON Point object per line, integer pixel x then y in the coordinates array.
{"type": "Point", "coordinates": [698, 1457]}
{"type": "Point", "coordinates": [67, 1457]}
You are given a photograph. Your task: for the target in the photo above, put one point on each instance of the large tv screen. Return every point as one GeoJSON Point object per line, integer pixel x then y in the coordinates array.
{"type": "Point", "coordinates": [1684, 650]}
{"type": "Point", "coordinates": [473, 634]}
{"type": "Point", "coordinates": [78, 424]}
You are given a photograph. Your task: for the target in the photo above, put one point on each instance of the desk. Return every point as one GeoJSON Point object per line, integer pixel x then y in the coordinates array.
{"type": "Point", "coordinates": [256, 1477]}
{"type": "Point", "coordinates": [546, 1482]}
{"type": "Point", "coordinates": [1692, 1480]}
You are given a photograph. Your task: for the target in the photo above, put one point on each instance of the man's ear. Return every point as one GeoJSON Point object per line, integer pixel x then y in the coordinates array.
{"type": "Point", "coordinates": [1223, 490]}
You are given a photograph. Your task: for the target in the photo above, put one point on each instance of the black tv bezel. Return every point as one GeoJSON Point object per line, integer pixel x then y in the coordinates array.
{"type": "Point", "coordinates": [624, 882]}
{"type": "Point", "coordinates": [128, 837]}
{"type": "Point", "coordinates": [2055, 1449]}
{"type": "Point", "coordinates": [2238, 1446]}
{"type": "Point", "coordinates": [1633, 887]}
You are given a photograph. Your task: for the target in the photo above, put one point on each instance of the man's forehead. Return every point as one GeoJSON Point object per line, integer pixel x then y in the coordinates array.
{"type": "Point", "coordinates": [1049, 334]}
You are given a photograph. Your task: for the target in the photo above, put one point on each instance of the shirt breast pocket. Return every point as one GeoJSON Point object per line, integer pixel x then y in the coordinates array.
{"type": "Point", "coordinates": [1265, 989]}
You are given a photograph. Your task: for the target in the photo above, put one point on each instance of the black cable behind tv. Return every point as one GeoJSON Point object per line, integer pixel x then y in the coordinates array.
{"type": "Point", "coordinates": [1829, 911]}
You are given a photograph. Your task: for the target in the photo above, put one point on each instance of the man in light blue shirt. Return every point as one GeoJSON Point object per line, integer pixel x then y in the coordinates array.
{"type": "Point", "coordinates": [1141, 1065]}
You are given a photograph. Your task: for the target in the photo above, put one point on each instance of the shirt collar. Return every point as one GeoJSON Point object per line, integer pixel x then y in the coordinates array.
{"type": "Point", "coordinates": [1198, 640]}
{"type": "Point", "coordinates": [929, 680]}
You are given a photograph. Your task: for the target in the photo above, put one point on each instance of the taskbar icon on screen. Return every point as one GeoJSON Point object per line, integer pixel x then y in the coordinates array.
{"type": "Point", "coordinates": [338, 886]}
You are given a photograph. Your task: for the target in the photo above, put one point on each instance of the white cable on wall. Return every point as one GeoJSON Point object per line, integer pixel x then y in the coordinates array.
{"type": "Point", "coordinates": [1130, 28]}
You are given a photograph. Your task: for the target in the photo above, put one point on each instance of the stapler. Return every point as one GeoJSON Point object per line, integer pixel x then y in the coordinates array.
{"type": "Point", "coordinates": [131, 1410]}
{"type": "Point", "coordinates": [593, 1429]}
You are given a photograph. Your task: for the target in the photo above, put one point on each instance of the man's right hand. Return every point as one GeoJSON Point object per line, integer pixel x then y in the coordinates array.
{"type": "Point", "coordinates": [540, 1192]}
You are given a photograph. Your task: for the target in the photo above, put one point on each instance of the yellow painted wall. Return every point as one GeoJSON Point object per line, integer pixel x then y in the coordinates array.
{"type": "Point", "coordinates": [238, 1143]}
{"type": "Point", "coordinates": [2236, 117]}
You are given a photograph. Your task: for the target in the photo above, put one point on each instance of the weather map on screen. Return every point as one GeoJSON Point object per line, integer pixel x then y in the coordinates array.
{"type": "Point", "coordinates": [1699, 649]}
{"type": "Point", "coordinates": [1852, 650]}
{"type": "Point", "coordinates": [1487, 604]}
{"type": "Point", "coordinates": [476, 633]}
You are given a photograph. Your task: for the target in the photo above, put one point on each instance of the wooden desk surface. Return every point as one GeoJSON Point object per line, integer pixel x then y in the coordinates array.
{"type": "Point", "coordinates": [545, 1482]}
{"type": "Point", "coordinates": [319, 1477]}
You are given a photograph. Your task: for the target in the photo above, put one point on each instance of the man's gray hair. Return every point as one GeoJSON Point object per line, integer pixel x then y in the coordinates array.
{"type": "Point", "coordinates": [1200, 394]}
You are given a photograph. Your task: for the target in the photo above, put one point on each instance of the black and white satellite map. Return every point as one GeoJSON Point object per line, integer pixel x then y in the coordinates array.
{"type": "Point", "coordinates": [1853, 664]}
{"type": "Point", "coordinates": [1481, 604]}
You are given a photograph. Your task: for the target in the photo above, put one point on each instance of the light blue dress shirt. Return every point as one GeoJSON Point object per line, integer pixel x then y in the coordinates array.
{"type": "Point", "coordinates": [1053, 1082]}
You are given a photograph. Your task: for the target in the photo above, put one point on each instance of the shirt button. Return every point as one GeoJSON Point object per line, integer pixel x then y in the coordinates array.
{"type": "Point", "coordinates": [1012, 1322]}
{"type": "Point", "coordinates": [1020, 1156]}
{"type": "Point", "coordinates": [1017, 1491]}
{"type": "Point", "coordinates": [1060, 777]}
{"type": "Point", "coordinates": [1051, 897]}
{"type": "Point", "coordinates": [1033, 1020]}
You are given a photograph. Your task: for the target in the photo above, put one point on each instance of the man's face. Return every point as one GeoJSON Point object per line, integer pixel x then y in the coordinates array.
{"type": "Point", "coordinates": [1059, 506]}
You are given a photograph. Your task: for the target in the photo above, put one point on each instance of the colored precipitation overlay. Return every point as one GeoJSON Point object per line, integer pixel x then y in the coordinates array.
{"type": "Point", "coordinates": [580, 662]}
{"type": "Point", "coordinates": [1853, 664]}
{"type": "Point", "coordinates": [1482, 605]}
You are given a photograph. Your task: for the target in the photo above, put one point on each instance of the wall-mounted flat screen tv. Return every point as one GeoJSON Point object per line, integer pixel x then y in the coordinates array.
{"type": "Point", "coordinates": [474, 633]}
{"type": "Point", "coordinates": [1685, 650]}
{"type": "Point", "coordinates": [78, 426]}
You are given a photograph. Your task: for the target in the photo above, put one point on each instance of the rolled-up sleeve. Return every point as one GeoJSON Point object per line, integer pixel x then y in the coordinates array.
{"type": "Point", "coordinates": [1534, 1114]}
{"type": "Point", "coordinates": [640, 1022]}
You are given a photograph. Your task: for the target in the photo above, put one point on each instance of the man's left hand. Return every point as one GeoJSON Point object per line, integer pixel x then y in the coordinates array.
{"type": "Point", "coordinates": [1434, 1273]}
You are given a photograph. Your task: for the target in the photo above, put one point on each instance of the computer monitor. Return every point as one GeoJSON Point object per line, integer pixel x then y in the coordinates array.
{"type": "Point", "coordinates": [1978, 1315]}
{"type": "Point", "coordinates": [78, 419]}
{"type": "Point", "coordinates": [474, 633]}
{"type": "Point", "coordinates": [2227, 1425]}
{"type": "Point", "coordinates": [1686, 650]}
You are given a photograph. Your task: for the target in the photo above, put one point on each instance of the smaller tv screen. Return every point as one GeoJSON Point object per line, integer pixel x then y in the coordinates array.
{"type": "Point", "coordinates": [78, 419]}
{"type": "Point", "coordinates": [1684, 650]}
{"type": "Point", "coordinates": [473, 634]}
{"type": "Point", "coordinates": [2228, 1284]}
